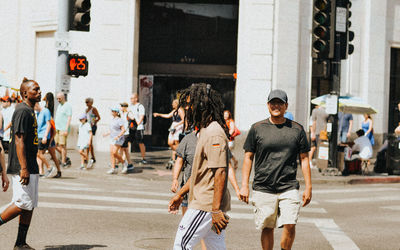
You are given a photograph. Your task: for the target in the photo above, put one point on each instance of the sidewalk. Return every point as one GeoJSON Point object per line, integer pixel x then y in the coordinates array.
{"type": "Point", "coordinates": [157, 160]}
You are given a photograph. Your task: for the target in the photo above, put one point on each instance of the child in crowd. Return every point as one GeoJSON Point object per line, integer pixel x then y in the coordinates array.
{"type": "Point", "coordinates": [84, 141]}
{"type": "Point", "coordinates": [116, 133]}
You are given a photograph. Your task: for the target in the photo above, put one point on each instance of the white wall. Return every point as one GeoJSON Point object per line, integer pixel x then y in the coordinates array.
{"type": "Point", "coordinates": [255, 61]}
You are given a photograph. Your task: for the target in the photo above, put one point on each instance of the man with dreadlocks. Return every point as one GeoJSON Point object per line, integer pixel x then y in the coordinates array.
{"type": "Point", "coordinates": [209, 197]}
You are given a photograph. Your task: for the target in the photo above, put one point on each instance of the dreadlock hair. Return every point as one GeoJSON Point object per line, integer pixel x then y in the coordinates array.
{"type": "Point", "coordinates": [202, 106]}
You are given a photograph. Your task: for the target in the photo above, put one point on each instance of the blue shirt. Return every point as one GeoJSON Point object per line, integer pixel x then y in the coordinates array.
{"type": "Point", "coordinates": [43, 117]}
{"type": "Point", "coordinates": [344, 121]}
{"type": "Point", "coordinates": [288, 115]}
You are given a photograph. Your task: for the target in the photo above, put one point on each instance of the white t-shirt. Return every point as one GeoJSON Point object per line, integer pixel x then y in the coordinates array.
{"type": "Point", "coordinates": [7, 116]}
{"type": "Point", "coordinates": [126, 123]}
{"type": "Point", "coordinates": [84, 134]}
{"type": "Point", "coordinates": [363, 145]}
{"type": "Point", "coordinates": [137, 111]}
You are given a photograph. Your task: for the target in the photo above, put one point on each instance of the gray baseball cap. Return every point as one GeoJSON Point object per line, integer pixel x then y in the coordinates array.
{"type": "Point", "coordinates": [279, 94]}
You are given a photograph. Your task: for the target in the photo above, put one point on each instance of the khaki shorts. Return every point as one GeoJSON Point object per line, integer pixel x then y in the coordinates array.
{"type": "Point", "coordinates": [59, 138]}
{"type": "Point", "coordinates": [276, 210]}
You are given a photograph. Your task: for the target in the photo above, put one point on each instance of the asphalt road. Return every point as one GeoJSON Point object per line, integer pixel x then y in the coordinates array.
{"type": "Point", "coordinates": [92, 210]}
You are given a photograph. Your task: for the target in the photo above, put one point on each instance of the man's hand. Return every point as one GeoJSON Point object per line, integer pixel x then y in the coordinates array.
{"type": "Point", "coordinates": [348, 134]}
{"type": "Point", "coordinates": [4, 182]}
{"type": "Point", "coordinates": [244, 194]}
{"type": "Point", "coordinates": [65, 133]}
{"type": "Point", "coordinates": [307, 196]}
{"type": "Point", "coordinates": [44, 140]}
{"type": "Point", "coordinates": [174, 203]}
{"type": "Point", "coordinates": [219, 221]}
{"type": "Point", "coordinates": [174, 186]}
{"type": "Point", "coordinates": [24, 175]}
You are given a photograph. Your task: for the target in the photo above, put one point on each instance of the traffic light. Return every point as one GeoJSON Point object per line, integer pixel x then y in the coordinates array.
{"type": "Point", "coordinates": [79, 18]}
{"type": "Point", "coordinates": [77, 65]}
{"type": "Point", "coordinates": [346, 48]}
{"type": "Point", "coordinates": [323, 29]}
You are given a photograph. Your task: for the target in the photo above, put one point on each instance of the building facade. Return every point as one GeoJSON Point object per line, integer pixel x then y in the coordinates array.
{"type": "Point", "coordinates": [267, 43]}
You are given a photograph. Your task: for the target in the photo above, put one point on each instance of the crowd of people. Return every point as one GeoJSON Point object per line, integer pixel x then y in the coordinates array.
{"type": "Point", "coordinates": [201, 137]}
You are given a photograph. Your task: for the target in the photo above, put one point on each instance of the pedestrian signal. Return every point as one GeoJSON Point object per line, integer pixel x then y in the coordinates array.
{"type": "Point", "coordinates": [77, 65]}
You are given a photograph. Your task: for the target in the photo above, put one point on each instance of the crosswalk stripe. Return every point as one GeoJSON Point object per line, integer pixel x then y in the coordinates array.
{"type": "Point", "coordinates": [365, 199]}
{"type": "Point", "coordinates": [396, 208]}
{"type": "Point", "coordinates": [335, 236]}
{"type": "Point", "coordinates": [353, 190]}
{"type": "Point", "coordinates": [104, 198]}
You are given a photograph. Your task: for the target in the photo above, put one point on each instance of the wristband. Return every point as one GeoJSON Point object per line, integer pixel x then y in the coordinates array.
{"type": "Point", "coordinates": [216, 212]}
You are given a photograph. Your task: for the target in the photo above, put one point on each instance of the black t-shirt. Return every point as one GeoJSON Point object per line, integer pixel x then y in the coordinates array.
{"type": "Point", "coordinates": [24, 122]}
{"type": "Point", "coordinates": [276, 148]}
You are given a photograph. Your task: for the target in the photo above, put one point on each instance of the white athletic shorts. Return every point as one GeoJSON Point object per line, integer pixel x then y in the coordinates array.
{"type": "Point", "coordinates": [276, 210]}
{"type": "Point", "coordinates": [194, 226]}
{"type": "Point", "coordinates": [25, 197]}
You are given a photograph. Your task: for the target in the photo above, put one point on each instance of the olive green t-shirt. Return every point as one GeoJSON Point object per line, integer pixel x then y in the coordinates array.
{"type": "Point", "coordinates": [211, 153]}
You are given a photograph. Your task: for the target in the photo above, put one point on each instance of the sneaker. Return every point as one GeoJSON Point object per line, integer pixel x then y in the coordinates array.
{"type": "Point", "coordinates": [143, 161]}
{"type": "Point", "coordinates": [52, 172]}
{"type": "Point", "coordinates": [124, 170]}
{"type": "Point", "coordinates": [90, 164]}
{"type": "Point", "coordinates": [130, 168]}
{"type": "Point", "coordinates": [65, 165]}
{"type": "Point", "coordinates": [23, 247]}
{"type": "Point", "coordinates": [94, 160]}
{"type": "Point", "coordinates": [82, 167]}
{"type": "Point", "coordinates": [112, 171]}
{"type": "Point", "coordinates": [58, 175]}
{"type": "Point", "coordinates": [68, 160]}
{"type": "Point", "coordinates": [125, 164]}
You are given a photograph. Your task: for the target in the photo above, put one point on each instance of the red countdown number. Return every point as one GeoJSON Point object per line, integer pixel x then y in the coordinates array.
{"type": "Point", "coordinates": [77, 65]}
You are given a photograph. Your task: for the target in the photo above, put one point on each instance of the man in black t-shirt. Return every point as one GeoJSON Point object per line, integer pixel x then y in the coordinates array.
{"type": "Point", "coordinates": [22, 163]}
{"type": "Point", "coordinates": [276, 144]}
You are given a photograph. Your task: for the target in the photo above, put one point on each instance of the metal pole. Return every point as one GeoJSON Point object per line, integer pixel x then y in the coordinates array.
{"type": "Point", "coordinates": [62, 33]}
{"type": "Point", "coordinates": [335, 91]}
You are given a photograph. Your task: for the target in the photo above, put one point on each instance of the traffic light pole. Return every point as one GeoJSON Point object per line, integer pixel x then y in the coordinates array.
{"type": "Point", "coordinates": [62, 79]}
{"type": "Point", "coordinates": [336, 66]}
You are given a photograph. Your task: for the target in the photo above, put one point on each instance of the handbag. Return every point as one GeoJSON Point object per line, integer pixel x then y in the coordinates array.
{"type": "Point", "coordinates": [236, 132]}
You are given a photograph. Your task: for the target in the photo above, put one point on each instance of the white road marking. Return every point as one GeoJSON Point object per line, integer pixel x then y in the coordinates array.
{"type": "Point", "coordinates": [396, 208]}
{"type": "Point", "coordinates": [63, 183]}
{"type": "Point", "coordinates": [316, 210]}
{"type": "Point", "coordinates": [365, 199]}
{"type": "Point", "coordinates": [353, 190]}
{"type": "Point", "coordinates": [104, 198]}
{"type": "Point", "coordinates": [335, 236]}
{"type": "Point", "coordinates": [331, 231]}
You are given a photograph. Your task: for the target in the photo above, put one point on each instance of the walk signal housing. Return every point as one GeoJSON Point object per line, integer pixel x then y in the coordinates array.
{"type": "Point", "coordinates": [346, 48]}
{"type": "Point", "coordinates": [77, 65]}
{"type": "Point", "coordinates": [323, 29]}
{"type": "Point", "coordinates": [79, 15]}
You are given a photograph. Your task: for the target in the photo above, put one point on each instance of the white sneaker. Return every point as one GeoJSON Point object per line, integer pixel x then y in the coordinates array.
{"type": "Point", "coordinates": [124, 170]}
{"type": "Point", "coordinates": [90, 163]}
{"type": "Point", "coordinates": [112, 171]}
{"type": "Point", "coordinates": [51, 173]}
{"type": "Point", "coordinates": [125, 164]}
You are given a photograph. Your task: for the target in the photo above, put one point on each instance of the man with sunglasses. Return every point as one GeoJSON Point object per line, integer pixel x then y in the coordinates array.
{"type": "Point", "coordinates": [276, 144]}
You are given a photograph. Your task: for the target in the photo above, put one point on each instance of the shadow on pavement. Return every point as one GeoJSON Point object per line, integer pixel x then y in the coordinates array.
{"type": "Point", "coordinates": [72, 247]}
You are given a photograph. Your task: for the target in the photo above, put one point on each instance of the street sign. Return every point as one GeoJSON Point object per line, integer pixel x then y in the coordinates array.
{"type": "Point", "coordinates": [65, 84]}
{"type": "Point", "coordinates": [62, 41]}
{"type": "Point", "coordinates": [331, 104]}
{"type": "Point", "coordinates": [341, 19]}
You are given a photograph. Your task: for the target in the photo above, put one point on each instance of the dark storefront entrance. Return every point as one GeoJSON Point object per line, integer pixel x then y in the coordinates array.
{"type": "Point", "coordinates": [394, 98]}
{"type": "Point", "coordinates": [184, 42]}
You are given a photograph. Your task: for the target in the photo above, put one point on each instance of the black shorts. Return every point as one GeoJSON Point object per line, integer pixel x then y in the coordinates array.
{"type": "Point", "coordinates": [127, 140]}
{"type": "Point", "coordinates": [42, 146]}
{"type": "Point", "coordinates": [94, 129]}
{"type": "Point", "coordinates": [6, 145]}
{"type": "Point", "coordinates": [139, 135]}
{"type": "Point", "coordinates": [314, 143]}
